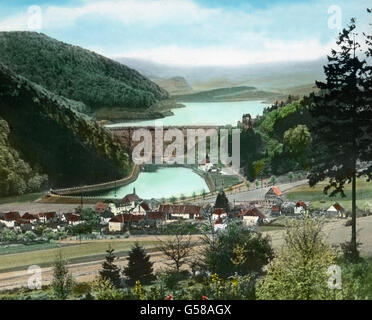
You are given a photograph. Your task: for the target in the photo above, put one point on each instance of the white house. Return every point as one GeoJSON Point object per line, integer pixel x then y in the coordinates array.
{"type": "Point", "coordinates": [336, 210]}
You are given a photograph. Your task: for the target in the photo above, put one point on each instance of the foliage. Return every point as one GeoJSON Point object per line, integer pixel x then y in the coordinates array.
{"type": "Point", "coordinates": [68, 148]}
{"type": "Point", "coordinates": [16, 175]}
{"type": "Point", "coordinates": [343, 112]}
{"type": "Point", "coordinates": [222, 201]}
{"type": "Point", "coordinates": [104, 289]}
{"type": "Point", "coordinates": [110, 271]}
{"type": "Point", "coordinates": [220, 256]}
{"type": "Point", "coordinates": [62, 281]}
{"type": "Point", "coordinates": [299, 271]}
{"type": "Point", "coordinates": [139, 266]}
{"type": "Point", "coordinates": [77, 73]}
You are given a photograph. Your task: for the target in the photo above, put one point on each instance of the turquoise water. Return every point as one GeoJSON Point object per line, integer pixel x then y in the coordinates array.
{"type": "Point", "coordinates": [205, 113]}
{"type": "Point", "coordinates": [163, 183]}
{"type": "Point", "coordinates": [168, 182]}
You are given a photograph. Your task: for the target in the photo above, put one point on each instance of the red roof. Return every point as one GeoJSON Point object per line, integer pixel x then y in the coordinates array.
{"type": "Point", "coordinates": [338, 207]}
{"type": "Point", "coordinates": [127, 217]}
{"type": "Point", "coordinates": [29, 216]}
{"type": "Point", "coordinates": [252, 212]}
{"type": "Point", "coordinates": [11, 216]}
{"type": "Point", "coordinates": [72, 217]}
{"type": "Point", "coordinates": [301, 204]}
{"type": "Point", "coordinates": [129, 198]}
{"type": "Point", "coordinates": [218, 221]}
{"type": "Point", "coordinates": [275, 208]}
{"type": "Point", "coordinates": [276, 190]}
{"type": "Point", "coordinates": [101, 206]}
{"type": "Point", "coordinates": [219, 211]}
{"type": "Point", "coordinates": [47, 215]}
{"type": "Point", "coordinates": [145, 206]}
{"type": "Point", "coordinates": [23, 221]}
{"type": "Point", "coordinates": [155, 215]}
{"type": "Point", "coordinates": [181, 209]}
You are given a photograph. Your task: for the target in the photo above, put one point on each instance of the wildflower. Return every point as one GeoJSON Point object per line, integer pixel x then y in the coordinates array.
{"type": "Point", "coordinates": [204, 298]}
{"type": "Point", "coordinates": [169, 297]}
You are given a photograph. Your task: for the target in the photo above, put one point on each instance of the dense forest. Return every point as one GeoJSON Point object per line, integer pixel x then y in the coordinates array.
{"type": "Point", "coordinates": [41, 133]}
{"type": "Point", "coordinates": [76, 73]}
{"type": "Point", "coordinates": [280, 141]}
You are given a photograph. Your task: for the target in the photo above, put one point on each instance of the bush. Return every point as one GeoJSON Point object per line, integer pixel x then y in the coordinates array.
{"type": "Point", "coordinates": [237, 250]}
{"type": "Point", "coordinates": [299, 271]}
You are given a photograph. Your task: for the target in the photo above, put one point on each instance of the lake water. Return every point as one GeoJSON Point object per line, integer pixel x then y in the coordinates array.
{"type": "Point", "coordinates": [205, 113]}
{"type": "Point", "coordinates": [168, 182]}
{"type": "Point", "coordinates": [163, 183]}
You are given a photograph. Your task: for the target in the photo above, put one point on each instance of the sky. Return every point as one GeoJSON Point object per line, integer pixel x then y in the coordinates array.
{"type": "Point", "coordinates": [191, 32]}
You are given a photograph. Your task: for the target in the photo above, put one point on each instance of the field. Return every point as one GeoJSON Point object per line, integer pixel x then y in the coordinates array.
{"type": "Point", "coordinates": [73, 252]}
{"type": "Point", "coordinates": [23, 198]}
{"type": "Point", "coordinates": [321, 201]}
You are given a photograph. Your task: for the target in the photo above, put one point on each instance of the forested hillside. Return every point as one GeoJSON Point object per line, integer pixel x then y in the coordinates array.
{"type": "Point", "coordinates": [51, 136]}
{"type": "Point", "coordinates": [280, 141]}
{"type": "Point", "coordinates": [76, 73]}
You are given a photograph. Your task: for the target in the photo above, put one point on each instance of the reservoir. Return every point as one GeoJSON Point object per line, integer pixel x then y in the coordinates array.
{"type": "Point", "coordinates": [205, 113]}
{"type": "Point", "coordinates": [163, 183]}
{"type": "Point", "coordinates": [167, 182]}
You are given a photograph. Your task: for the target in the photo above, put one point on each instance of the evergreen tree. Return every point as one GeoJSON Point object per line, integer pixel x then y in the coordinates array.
{"type": "Point", "coordinates": [110, 271]}
{"type": "Point", "coordinates": [342, 127]}
{"type": "Point", "coordinates": [222, 201]}
{"type": "Point", "coordinates": [62, 281]}
{"type": "Point", "coordinates": [139, 266]}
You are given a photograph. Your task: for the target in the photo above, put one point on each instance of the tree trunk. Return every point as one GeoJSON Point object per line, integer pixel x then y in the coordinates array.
{"type": "Point", "coordinates": [353, 214]}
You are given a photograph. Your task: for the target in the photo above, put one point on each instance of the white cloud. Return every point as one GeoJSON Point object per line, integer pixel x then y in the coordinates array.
{"type": "Point", "coordinates": [270, 51]}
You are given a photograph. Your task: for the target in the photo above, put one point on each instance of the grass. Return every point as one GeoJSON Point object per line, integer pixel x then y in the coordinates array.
{"type": "Point", "coordinates": [321, 201]}
{"type": "Point", "coordinates": [88, 251]}
{"type": "Point", "coordinates": [30, 197]}
{"type": "Point", "coordinates": [18, 248]}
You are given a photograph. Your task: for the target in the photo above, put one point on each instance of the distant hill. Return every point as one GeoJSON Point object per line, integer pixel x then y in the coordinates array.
{"type": "Point", "coordinates": [76, 73]}
{"type": "Point", "coordinates": [227, 94]}
{"type": "Point", "coordinates": [43, 134]}
{"type": "Point", "coordinates": [174, 85]}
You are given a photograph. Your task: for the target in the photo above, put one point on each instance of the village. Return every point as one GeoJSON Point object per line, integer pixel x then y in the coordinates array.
{"type": "Point", "coordinates": [133, 213]}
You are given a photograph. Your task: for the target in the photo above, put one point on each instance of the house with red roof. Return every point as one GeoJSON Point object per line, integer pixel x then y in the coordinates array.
{"type": "Point", "coordinates": [9, 219]}
{"type": "Point", "coordinates": [251, 216]}
{"type": "Point", "coordinates": [117, 223]}
{"type": "Point", "coordinates": [101, 207]}
{"type": "Point", "coordinates": [274, 196]}
{"type": "Point", "coordinates": [336, 210]}
{"type": "Point", "coordinates": [72, 218]}
{"type": "Point", "coordinates": [48, 216]}
{"type": "Point", "coordinates": [182, 211]}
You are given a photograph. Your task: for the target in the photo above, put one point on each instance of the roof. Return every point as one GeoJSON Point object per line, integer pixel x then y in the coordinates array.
{"type": "Point", "coordinates": [219, 211]}
{"type": "Point", "coordinates": [253, 212]}
{"type": "Point", "coordinates": [145, 206]}
{"type": "Point", "coordinates": [218, 221]}
{"type": "Point", "coordinates": [11, 216]}
{"type": "Point", "coordinates": [101, 206]}
{"type": "Point", "coordinates": [72, 217]}
{"type": "Point", "coordinates": [29, 216]}
{"type": "Point", "coordinates": [155, 215]}
{"type": "Point", "coordinates": [180, 209]}
{"type": "Point", "coordinates": [47, 215]}
{"type": "Point", "coordinates": [275, 208]}
{"type": "Point", "coordinates": [337, 206]}
{"type": "Point", "coordinates": [301, 204]}
{"type": "Point", "coordinates": [276, 191]}
{"type": "Point", "coordinates": [127, 217]}
{"type": "Point", "coordinates": [23, 221]}
{"type": "Point", "coordinates": [129, 198]}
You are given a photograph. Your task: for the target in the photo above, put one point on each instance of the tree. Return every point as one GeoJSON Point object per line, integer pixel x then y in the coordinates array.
{"type": "Point", "coordinates": [273, 180]}
{"type": "Point", "coordinates": [299, 271]}
{"type": "Point", "coordinates": [62, 280]}
{"type": "Point", "coordinates": [91, 218]}
{"type": "Point", "coordinates": [139, 266]}
{"type": "Point", "coordinates": [236, 250]}
{"type": "Point", "coordinates": [222, 201]}
{"type": "Point", "coordinates": [177, 248]}
{"type": "Point", "coordinates": [342, 127]}
{"type": "Point", "coordinates": [110, 271]}
{"type": "Point", "coordinates": [290, 177]}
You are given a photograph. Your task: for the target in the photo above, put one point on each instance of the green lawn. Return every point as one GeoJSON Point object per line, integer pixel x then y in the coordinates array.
{"type": "Point", "coordinates": [88, 251]}
{"type": "Point", "coordinates": [320, 201]}
{"type": "Point", "coordinates": [18, 248]}
{"type": "Point", "coordinates": [22, 198]}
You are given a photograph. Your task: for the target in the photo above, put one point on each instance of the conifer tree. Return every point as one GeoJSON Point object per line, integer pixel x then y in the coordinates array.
{"type": "Point", "coordinates": [62, 280]}
{"type": "Point", "coordinates": [222, 201]}
{"type": "Point", "coordinates": [342, 128]}
{"type": "Point", "coordinates": [139, 268]}
{"type": "Point", "coordinates": [110, 271]}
